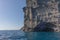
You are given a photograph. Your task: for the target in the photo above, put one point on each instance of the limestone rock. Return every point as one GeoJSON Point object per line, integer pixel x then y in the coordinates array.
{"type": "Point", "coordinates": [37, 11]}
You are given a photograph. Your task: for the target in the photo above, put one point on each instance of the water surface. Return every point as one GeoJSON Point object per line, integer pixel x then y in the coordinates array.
{"type": "Point", "coordinates": [20, 35]}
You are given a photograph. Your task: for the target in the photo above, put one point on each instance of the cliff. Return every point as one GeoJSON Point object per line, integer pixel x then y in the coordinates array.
{"type": "Point", "coordinates": [38, 12]}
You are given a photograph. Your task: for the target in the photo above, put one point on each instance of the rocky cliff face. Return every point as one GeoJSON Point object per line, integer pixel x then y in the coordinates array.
{"type": "Point", "coordinates": [37, 11]}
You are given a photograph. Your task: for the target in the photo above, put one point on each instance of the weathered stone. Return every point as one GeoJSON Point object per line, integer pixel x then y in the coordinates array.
{"type": "Point", "coordinates": [37, 11]}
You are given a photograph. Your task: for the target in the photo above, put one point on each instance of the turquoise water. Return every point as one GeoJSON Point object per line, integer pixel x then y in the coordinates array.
{"type": "Point", "coordinates": [43, 36]}
{"type": "Point", "coordinates": [20, 35]}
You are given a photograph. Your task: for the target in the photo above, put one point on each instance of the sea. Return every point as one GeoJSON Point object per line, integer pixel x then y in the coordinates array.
{"type": "Point", "coordinates": [20, 35]}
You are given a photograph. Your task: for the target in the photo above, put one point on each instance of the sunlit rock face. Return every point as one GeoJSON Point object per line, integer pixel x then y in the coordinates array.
{"type": "Point", "coordinates": [37, 11]}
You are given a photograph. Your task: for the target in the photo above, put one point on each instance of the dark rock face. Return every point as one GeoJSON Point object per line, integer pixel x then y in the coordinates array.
{"type": "Point", "coordinates": [45, 27]}
{"type": "Point", "coordinates": [42, 27]}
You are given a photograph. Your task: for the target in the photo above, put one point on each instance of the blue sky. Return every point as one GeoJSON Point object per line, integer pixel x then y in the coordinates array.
{"type": "Point", "coordinates": [11, 14]}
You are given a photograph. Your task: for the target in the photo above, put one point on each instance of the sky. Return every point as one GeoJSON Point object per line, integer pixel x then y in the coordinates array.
{"type": "Point", "coordinates": [11, 14]}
